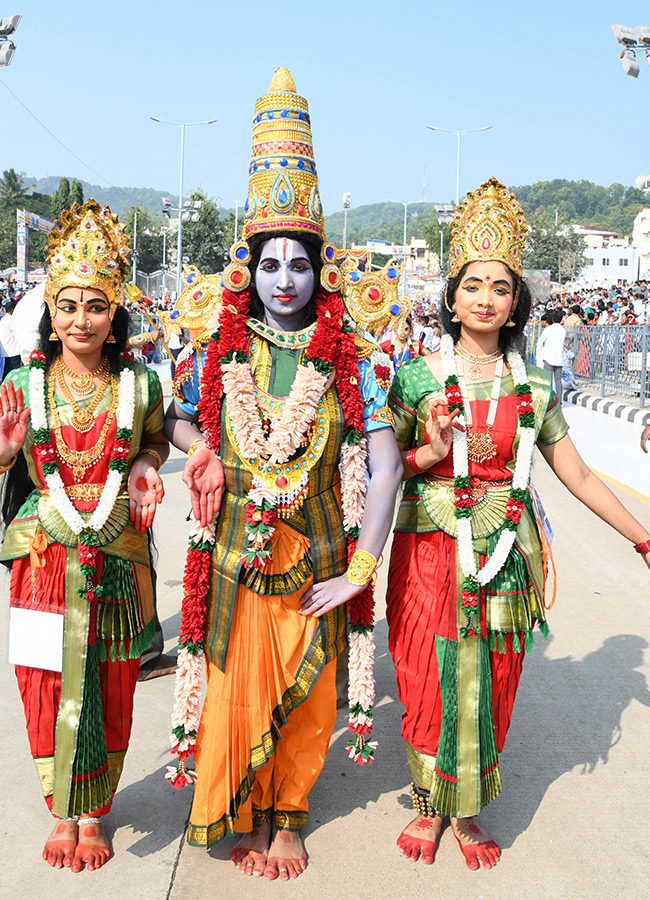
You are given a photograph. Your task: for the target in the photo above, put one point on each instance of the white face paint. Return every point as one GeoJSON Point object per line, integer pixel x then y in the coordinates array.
{"type": "Point", "coordinates": [284, 280]}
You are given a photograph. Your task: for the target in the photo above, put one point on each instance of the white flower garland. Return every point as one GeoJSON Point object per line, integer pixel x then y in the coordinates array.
{"type": "Point", "coordinates": [125, 415]}
{"type": "Point", "coordinates": [461, 468]}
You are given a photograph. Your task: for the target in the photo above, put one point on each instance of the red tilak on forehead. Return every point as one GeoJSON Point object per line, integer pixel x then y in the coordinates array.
{"type": "Point", "coordinates": [285, 244]}
{"type": "Point", "coordinates": [487, 277]}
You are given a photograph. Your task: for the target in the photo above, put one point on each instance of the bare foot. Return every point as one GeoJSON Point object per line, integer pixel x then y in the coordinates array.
{"type": "Point", "coordinates": [60, 846]}
{"type": "Point", "coordinates": [287, 857]}
{"type": "Point", "coordinates": [92, 847]}
{"type": "Point", "coordinates": [421, 836]}
{"type": "Point", "coordinates": [250, 852]}
{"type": "Point", "coordinates": [476, 845]}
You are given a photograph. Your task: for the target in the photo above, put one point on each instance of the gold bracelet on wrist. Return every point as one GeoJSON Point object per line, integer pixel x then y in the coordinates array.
{"type": "Point", "coordinates": [9, 465]}
{"type": "Point", "coordinates": [155, 455]}
{"type": "Point", "coordinates": [361, 568]}
{"type": "Point", "coordinates": [192, 449]}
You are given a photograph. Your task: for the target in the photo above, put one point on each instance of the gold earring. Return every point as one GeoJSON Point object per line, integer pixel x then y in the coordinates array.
{"type": "Point", "coordinates": [510, 323]}
{"type": "Point", "coordinates": [54, 336]}
{"type": "Point", "coordinates": [452, 310]}
{"type": "Point", "coordinates": [111, 337]}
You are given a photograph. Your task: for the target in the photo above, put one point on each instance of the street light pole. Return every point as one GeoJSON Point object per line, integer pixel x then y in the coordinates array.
{"type": "Point", "coordinates": [135, 244]}
{"type": "Point", "coordinates": [236, 202]}
{"type": "Point", "coordinates": [459, 135]}
{"type": "Point", "coordinates": [406, 206]}
{"type": "Point", "coordinates": [346, 207]}
{"type": "Point", "coordinates": [179, 251]}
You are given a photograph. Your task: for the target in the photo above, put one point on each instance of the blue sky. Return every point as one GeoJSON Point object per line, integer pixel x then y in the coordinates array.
{"type": "Point", "coordinates": [545, 75]}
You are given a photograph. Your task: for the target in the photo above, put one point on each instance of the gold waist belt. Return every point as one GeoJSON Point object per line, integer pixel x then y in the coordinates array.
{"type": "Point", "coordinates": [81, 491]}
{"type": "Point", "coordinates": [488, 511]}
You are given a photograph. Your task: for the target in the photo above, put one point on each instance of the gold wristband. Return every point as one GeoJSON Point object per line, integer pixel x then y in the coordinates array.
{"type": "Point", "coordinates": [9, 465]}
{"type": "Point", "coordinates": [192, 449]}
{"type": "Point", "coordinates": [155, 455]}
{"type": "Point", "coordinates": [361, 568]}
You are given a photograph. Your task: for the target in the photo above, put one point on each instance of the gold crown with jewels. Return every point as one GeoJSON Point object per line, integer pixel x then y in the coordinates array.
{"type": "Point", "coordinates": [88, 248]}
{"type": "Point", "coordinates": [489, 224]}
{"type": "Point", "coordinates": [283, 190]}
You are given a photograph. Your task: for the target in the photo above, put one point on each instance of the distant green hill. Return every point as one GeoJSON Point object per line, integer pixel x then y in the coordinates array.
{"type": "Point", "coordinates": [580, 202]}
{"type": "Point", "coordinates": [120, 199]}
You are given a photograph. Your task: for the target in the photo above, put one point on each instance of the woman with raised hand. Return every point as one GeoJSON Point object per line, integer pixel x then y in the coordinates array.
{"type": "Point", "coordinates": [81, 443]}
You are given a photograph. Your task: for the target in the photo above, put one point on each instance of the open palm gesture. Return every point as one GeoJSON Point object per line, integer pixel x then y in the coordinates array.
{"type": "Point", "coordinates": [13, 421]}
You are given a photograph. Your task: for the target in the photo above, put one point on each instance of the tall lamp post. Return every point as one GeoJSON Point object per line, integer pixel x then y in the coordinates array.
{"type": "Point", "coordinates": [346, 207]}
{"type": "Point", "coordinates": [459, 135]}
{"type": "Point", "coordinates": [236, 202]}
{"type": "Point", "coordinates": [444, 213]}
{"type": "Point", "coordinates": [182, 126]}
{"type": "Point", "coordinates": [406, 206]}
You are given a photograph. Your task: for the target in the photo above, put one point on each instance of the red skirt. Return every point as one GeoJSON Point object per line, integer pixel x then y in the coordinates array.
{"type": "Point", "coordinates": [422, 605]}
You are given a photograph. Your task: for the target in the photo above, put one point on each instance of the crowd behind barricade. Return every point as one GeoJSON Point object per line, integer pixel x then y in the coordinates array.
{"type": "Point", "coordinates": [557, 336]}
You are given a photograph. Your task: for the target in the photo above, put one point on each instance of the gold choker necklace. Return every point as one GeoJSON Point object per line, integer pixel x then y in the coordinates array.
{"type": "Point", "coordinates": [475, 362]}
{"type": "Point", "coordinates": [82, 383]}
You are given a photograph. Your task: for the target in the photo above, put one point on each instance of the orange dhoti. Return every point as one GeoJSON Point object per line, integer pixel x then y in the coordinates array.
{"type": "Point", "coordinates": [267, 720]}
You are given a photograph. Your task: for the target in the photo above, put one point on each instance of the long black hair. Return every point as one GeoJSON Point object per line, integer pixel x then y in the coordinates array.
{"type": "Point", "coordinates": [312, 245]}
{"type": "Point", "coordinates": [16, 484]}
{"type": "Point", "coordinates": [509, 338]}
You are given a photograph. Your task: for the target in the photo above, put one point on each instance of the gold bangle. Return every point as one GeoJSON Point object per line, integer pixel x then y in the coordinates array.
{"type": "Point", "coordinates": [9, 465]}
{"type": "Point", "coordinates": [155, 455]}
{"type": "Point", "coordinates": [192, 449]}
{"type": "Point", "coordinates": [361, 568]}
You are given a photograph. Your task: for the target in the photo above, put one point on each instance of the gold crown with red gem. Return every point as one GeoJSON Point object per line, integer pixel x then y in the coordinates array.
{"type": "Point", "coordinates": [489, 224]}
{"type": "Point", "coordinates": [88, 248]}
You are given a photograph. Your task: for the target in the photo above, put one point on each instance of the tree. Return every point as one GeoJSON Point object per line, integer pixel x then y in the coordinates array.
{"type": "Point", "coordinates": [551, 246]}
{"type": "Point", "coordinates": [60, 199]}
{"type": "Point", "coordinates": [207, 241]}
{"type": "Point", "coordinates": [149, 240]}
{"type": "Point", "coordinates": [431, 234]}
{"type": "Point", "coordinates": [77, 192]}
{"type": "Point", "coordinates": [13, 192]}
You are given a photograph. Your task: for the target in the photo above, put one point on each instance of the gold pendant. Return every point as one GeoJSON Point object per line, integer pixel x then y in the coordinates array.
{"type": "Point", "coordinates": [82, 420]}
{"type": "Point", "coordinates": [473, 372]}
{"type": "Point", "coordinates": [480, 446]}
{"type": "Point", "coordinates": [82, 384]}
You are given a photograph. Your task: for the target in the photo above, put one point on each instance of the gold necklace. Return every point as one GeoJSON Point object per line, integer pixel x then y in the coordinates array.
{"type": "Point", "coordinates": [80, 460]}
{"type": "Point", "coordinates": [475, 362]}
{"type": "Point", "coordinates": [82, 419]}
{"type": "Point", "coordinates": [82, 382]}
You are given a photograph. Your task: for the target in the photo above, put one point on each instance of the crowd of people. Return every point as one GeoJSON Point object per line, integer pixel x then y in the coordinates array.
{"type": "Point", "coordinates": [298, 436]}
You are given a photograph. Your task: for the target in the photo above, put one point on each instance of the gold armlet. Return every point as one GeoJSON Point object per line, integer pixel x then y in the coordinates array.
{"type": "Point", "coordinates": [361, 568]}
{"type": "Point", "coordinates": [156, 456]}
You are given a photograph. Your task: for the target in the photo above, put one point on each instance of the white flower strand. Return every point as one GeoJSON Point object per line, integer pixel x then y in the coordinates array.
{"type": "Point", "coordinates": [520, 478]}
{"type": "Point", "coordinates": [125, 415]}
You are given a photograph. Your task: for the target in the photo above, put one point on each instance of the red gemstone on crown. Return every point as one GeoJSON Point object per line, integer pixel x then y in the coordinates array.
{"type": "Point", "coordinates": [281, 481]}
{"type": "Point", "coordinates": [332, 277]}
{"type": "Point", "coordinates": [236, 277]}
{"type": "Point", "coordinates": [374, 294]}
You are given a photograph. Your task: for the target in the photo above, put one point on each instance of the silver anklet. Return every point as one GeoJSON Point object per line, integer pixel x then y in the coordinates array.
{"type": "Point", "coordinates": [90, 820]}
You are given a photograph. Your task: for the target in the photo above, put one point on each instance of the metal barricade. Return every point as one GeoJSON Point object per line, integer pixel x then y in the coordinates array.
{"type": "Point", "coordinates": [608, 360]}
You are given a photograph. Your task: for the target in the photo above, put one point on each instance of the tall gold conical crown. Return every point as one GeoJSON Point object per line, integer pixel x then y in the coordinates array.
{"type": "Point", "coordinates": [283, 185]}
{"type": "Point", "coordinates": [88, 248]}
{"type": "Point", "coordinates": [489, 224]}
